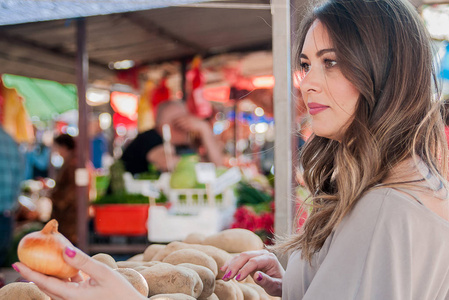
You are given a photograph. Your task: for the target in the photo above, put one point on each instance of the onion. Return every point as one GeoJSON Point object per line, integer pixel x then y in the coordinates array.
{"type": "Point", "coordinates": [42, 251]}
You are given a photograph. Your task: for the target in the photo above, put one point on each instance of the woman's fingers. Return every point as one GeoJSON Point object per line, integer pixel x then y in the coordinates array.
{"type": "Point", "coordinates": [273, 286]}
{"type": "Point", "coordinates": [51, 286]}
{"type": "Point", "coordinates": [256, 263]}
{"type": "Point", "coordinates": [236, 264]}
{"type": "Point", "coordinates": [81, 261]}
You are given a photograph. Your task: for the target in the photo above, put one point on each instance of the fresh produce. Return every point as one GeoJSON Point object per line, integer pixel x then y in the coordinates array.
{"type": "Point", "coordinates": [176, 296]}
{"type": "Point", "coordinates": [151, 251]}
{"type": "Point", "coordinates": [193, 256]}
{"type": "Point", "coordinates": [220, 256]}
{"type": "Point", "coordinates": [238, 291]}
{"type": "Point", "coordinates": [126, 198]}
{"type": "Point", "coordinates": [165, 278]}
{"type": "Point", "coordinates": [117, 169]}
{"type": "Point", "coordinates": [262, 294]}
{"type": "Point", "coordinates": [207, 277]}
{"type": "Point", "coordinates": [255, 210]}
{"type": "Point", "coordinates": [212, 297]}
{"type": "Point", "coordinates": [42, 251]}
{"type": "Point", "coordinates": [248, 195]}
{"type": "Point", "coordinates": [136, 279]}
{"type": "Point", "coordinates": [235, 240]}
{"type": "Point", "coordinates": [225, 290]}
{"type": "Point", "coordinates": [134, 264]}
{"type": "Point", "coordinates": [106, 259]}
{"type": "Point", "coordinates": [137, 257]}
{"type": "Point", "coordinates": [184, 176]}
{"type": "Point", "coordinates": [248, 292]}
{"type": "Point", "coordinates": [194, 238]}
{"type": "Point", "coordinates": [22, 291]}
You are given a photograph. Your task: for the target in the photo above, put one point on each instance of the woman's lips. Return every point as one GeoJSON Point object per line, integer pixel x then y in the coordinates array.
{"type": "Point", "coordinates": [315, 108]}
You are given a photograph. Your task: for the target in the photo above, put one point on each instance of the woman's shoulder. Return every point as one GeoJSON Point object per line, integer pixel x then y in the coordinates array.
{"type": "Point", "coordinates": [392, 206]}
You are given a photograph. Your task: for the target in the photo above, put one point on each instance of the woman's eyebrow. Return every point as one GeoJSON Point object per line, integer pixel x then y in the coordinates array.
{"type": "Point", "coordinates": [324, 51]}
{"type": "Point", "coordinates": [319, 53]}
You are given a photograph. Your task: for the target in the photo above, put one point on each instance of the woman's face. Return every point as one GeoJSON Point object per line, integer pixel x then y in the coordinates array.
{"type": "Point", "coordinates": [330, 98]}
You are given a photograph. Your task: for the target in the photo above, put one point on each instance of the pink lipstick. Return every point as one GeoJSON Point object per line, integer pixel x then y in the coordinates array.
{"type": "Point", "coordinates": [315, 108]}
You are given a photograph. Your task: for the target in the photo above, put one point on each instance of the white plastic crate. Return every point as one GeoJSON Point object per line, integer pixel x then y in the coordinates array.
{"type": "Point", "coordinates": [190, 212]}
{"type": "Point", "coordinates": [191, 200]}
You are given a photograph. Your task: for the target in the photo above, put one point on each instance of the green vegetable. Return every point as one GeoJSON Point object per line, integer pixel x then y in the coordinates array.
{"type": "Point", "coordinates": [152, 174]}
{"type": "Point", "coordinates": [248, 195]}
{"type": "Point", "coordinates": [117, 170]}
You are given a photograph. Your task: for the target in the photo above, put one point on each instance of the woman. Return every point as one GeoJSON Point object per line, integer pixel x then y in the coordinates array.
{"type": "Point", "coordinates": [376, 167]}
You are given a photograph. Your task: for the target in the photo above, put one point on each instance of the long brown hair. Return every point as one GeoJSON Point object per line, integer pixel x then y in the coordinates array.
{"type": "Point", "coordinates": [384, 50]}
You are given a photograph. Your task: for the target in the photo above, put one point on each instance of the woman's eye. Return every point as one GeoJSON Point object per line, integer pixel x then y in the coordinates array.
{"type": "Point", "coordinates": [305, 67]}
{"type": "Point", "coordinates": [329, 63]}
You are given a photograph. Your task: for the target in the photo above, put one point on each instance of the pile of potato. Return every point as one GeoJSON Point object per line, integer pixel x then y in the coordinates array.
{"type": "Point", "coordinates": [191, 269]}
{"type": "Point", "coordinates": [180, 270]}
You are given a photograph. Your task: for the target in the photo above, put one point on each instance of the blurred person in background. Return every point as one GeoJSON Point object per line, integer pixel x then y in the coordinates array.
{"type": "Point", "coordinates": [11, 175]}
{"type": "Point", "coordinates": [98, 142]}
{"type": "Point", "coordinates": [188, 133]}
{"type": "Point", "coordinates": [37, 156]}
{"type": "Point", "coordinates": [63, 194]}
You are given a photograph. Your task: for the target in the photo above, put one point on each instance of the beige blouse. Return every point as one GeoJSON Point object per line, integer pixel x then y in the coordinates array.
{"type": "Point", "coordinates": [389, 247]}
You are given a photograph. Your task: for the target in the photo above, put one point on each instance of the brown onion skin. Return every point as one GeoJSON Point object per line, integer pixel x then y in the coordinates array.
{"type": "Point", "coordinates": [42, 251]}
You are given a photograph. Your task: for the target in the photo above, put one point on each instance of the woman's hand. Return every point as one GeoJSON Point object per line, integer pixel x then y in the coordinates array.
{"type": "Point", "coordinates": [104, 283]}
{"type": "Point", "coordinates": [262, 265]}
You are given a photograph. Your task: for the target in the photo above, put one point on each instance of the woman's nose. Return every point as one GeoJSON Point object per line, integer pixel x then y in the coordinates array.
{"type": "Point", "coordinates": [311, 81]}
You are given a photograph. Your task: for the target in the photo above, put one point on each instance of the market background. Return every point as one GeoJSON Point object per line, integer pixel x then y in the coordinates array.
{"type": "Point", "coordinates": [139, 53]}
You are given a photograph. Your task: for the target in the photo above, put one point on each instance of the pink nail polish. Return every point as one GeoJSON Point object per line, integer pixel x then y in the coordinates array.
{"type": "Point", "coordinates": [227, 275]}
{"type": "Point", "coordinates": [70, 252]}
{"type": "Point", "coordinates": [259, 277]}
{"type": "Point", "coordinates": [15, 268]}
{"type": "Point", "coordinates": [238, 277]}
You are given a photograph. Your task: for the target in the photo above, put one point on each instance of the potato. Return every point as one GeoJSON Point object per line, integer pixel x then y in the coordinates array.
{"type": "Point", "coordinates": [192, 256]}
{"type": "Point", "coordinates": [225, 290]}
{"type": "Point", "coordinates": [220, 256]}
{"type": "Point", "coordinates": [137, 257]}
{"type": "Point", "coordinates": [134, 264]}
{"type": "Point", "coordinates": [195, 238]}
{"type": "Point", "coordinates": [141, 268]}
{"type": "Point", "coordinates": [235, 240]}
{"type": "Point", "coordinates": [151, 251]}
{"type": "Point", "coordinates": [262, 294]}
{"type": "Point", "coordinates": [106, 259]}
{"type": "Point", "coordinates": [212, 297]}
{"type": "Point", "coordinates": [22, 291]}
{"type": "Point", "coordinates": [165, 278]}
{"type": "Point", "coordinates": [249, 293]}
{"type": "Point", "coordinates": [207, 277]}
{"type": "Point", "coordinates": [176, 296]}
{"type": "Point", "coordinates": [238, 291]}
{"type": "Point", "coordinates": [136, 279]}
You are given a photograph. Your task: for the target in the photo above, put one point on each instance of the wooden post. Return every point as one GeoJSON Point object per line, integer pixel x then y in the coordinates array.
{"type": "Point", "coordinates": [183, 70]}
{"type": "Point", "coordinates": [283, 111]}
{"type": "Point", "coordinates": [81, 173]}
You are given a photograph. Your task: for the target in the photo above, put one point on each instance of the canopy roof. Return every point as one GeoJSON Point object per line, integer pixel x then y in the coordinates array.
{"type": "Point", "coordinates": [47, 49]}
{"type": "Point", "coordinates": [27, 11]}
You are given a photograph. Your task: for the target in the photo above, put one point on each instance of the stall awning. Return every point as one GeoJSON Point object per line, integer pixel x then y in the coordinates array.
{"type": "Point", "coordinates": [43, 99]}
{"type": "Point", "coordinates": [25, 11]}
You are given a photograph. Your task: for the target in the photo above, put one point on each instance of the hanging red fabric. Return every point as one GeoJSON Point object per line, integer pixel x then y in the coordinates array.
{"type": "Point", "coordinates": [160, 94]}
{"type": "Point", "coordinates": [196, 103]}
